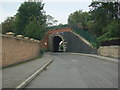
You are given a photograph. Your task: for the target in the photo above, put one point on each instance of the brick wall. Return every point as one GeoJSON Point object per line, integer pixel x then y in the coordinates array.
{"type": "Point", "coordinates": [59, 30]}
{"type": "Point", "coordinates": [110, 51]}
{"type": "Point", "coordinates": [15, 50]}
{"type": "Point", "coordinates": [44, 42]}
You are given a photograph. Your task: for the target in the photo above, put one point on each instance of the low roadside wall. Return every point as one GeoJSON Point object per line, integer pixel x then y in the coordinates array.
{"type": "Point", "coordinates": [15, 50]}
{"type": "Point", "coordinates": [110, 51]}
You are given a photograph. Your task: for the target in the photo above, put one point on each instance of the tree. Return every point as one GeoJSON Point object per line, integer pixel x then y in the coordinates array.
{"type": "Point", "coordinates": [101, 15]}
{"type": "Point", "coordinates": [33, 30]}
{"type": "Point", "coordinates": [51, 21]}
{"type": "Point", "coordinates": [111, 31]}
{"type": "Point", "coordinates": [31, 14]}
{"type": "Point", "coordinates": [104, 20]}
{"type": "Point", "coordinates": [79, 18]}
{"type": "Point", "coordinates": [8, 25]}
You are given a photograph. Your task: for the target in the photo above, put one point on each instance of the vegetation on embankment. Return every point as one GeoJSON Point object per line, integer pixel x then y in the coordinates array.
{"type": "Point", "coordinates": [102, 21]}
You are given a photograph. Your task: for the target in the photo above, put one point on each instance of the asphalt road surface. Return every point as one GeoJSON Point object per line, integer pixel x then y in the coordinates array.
{"type": "Point", "coordinates": [75, 71]}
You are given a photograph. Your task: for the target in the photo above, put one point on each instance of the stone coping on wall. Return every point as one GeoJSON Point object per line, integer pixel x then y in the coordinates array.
{"type": "Point", "coordinates": [18, 38]}
{"type": "Point", "coordinates": [83, 39]}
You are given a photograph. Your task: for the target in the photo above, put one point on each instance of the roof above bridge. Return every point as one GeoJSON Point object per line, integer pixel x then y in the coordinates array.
{"type": "Point", "coordinates": [59, 30]}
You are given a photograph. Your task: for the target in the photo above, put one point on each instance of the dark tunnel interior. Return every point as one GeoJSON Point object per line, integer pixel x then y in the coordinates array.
{"type": "Point", "coordinates": [56, 41]}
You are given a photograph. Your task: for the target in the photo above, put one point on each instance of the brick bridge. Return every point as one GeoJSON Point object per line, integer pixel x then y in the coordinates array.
{"type": "Point", "coordinates": [72, 41]}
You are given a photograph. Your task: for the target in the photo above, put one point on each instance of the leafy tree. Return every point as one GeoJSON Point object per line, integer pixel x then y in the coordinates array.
{"type": "Point", "coordinates": [8, 25]}
{"type": "Point", "coordinates": [104, 21]}
{"type": "Point", "coordinates": [111, 31]}
{"type": "Point", "coordinates": [51, 21]}
{"type": "Point", "coordinates": [33, 30]}
{"type": "Point", "coordinates": [79, 18]}
{"type": "Point", "coordinates": [31, 14]}
{"type": "Point", "coordinates": [101, 15]}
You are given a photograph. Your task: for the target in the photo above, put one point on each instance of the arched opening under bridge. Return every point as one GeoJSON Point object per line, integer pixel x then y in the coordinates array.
{"type": "Point", "coordinates": [56, 41]}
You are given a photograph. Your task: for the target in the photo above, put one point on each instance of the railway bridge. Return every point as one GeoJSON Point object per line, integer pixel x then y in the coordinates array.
{"type": "Point", "coordinates": [71, 42]}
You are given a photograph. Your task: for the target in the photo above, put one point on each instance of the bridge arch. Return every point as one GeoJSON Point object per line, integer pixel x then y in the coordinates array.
{"type": "Point", "coordinates": [56, 40]}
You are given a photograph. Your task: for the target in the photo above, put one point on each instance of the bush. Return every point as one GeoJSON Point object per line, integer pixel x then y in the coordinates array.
{"type": "Point", "coordinates": [33, 30]}
{"type": "Point", "coordinates": [111, 31]}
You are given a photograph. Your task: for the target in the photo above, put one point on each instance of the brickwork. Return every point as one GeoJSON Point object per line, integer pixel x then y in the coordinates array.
{"type": "Point", "coordinates": [74, 43]}
{"type": "Point", "coordinates": [16, 50]}
{"type": "Point", "coordinates": [59, 30]}
{"type": "Point", "coordinates": [110, 51]}
{"type": "Point", "coordinates": [44, 42]}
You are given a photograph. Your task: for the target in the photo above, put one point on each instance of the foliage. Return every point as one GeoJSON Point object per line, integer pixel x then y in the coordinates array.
{"type": "Point", "coordinates": [79, 18]}
{"type": "Point", "coordinates": [101, 20]}
{"type": "Point", "coordinates": [111, 31]}
{"type": "Point", "coordinates": [101, 15]}
{"type": "Point", "coordinates": [34, 30]}
{"type": "Point", "coordinates": [51, 21]}
{"type": "Point", "coordinates": [80, 22]}
{"type": "Point", "coordinates": [84, 33]}
{"type": "Point", "coordinates": [8, 25]}
{"type": "Point", "coordinates": [30, 20]}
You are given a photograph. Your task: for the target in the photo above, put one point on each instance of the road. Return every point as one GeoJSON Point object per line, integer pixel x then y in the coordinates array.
{"type": "Point", "coordinates": [75, 71]}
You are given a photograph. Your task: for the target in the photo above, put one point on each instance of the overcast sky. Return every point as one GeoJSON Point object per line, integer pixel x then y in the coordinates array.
{"type": "Point", "coordinates": [59, 9]}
